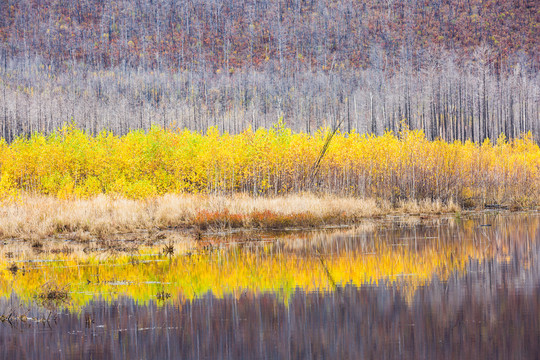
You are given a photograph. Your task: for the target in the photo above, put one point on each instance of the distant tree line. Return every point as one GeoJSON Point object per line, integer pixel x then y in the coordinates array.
{"type": "Point", "coordinates": [443, 99]}
{"type": "Point", "coordinates": [457, 69]}
{"type": "Point", "coordinates": [287, 35]}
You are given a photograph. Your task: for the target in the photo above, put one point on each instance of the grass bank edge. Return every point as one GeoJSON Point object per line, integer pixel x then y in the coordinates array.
{"type": "Point", "coordinates": [35, 217]}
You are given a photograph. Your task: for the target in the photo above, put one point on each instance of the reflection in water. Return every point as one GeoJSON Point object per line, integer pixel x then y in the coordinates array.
{"type": "Point", "coordinates": [443, 289]}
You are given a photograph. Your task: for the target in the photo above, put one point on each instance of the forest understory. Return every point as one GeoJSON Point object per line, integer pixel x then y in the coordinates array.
{"type": "Point", "coordinates": [71, 183]}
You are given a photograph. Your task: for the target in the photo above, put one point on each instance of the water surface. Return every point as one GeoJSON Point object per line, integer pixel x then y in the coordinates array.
{"type": "Point", "coordinates": [397, 288]}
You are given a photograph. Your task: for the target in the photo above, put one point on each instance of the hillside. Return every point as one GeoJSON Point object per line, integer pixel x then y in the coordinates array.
{"type": "Point", "coordinates": [457, 69]}
{"type": "Point", "coordinates": [230, 34]}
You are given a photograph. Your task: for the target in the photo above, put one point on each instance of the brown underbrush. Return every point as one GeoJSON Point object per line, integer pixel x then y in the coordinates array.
{"type": "Point", "coordinates": [38, 217]}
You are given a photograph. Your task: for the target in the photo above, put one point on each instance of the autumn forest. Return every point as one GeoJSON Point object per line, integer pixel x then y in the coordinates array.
{"type": "Point", "coordinates": [458, 69]}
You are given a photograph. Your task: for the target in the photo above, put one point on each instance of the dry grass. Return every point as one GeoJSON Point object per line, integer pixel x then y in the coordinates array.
{"type": "Point", "coordinates": [39, 217]}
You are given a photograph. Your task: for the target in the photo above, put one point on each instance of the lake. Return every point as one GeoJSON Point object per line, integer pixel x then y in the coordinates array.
{"type": "Point", "coordinates": [464, 287]}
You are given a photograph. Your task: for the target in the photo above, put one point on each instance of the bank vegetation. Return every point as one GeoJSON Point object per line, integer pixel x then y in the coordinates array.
{"type": "Point", "coordinates": [270, 178]}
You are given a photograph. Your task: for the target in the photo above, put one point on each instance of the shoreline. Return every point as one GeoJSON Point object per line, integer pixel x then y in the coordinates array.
{"type": "Point", "coordinates": [38, 217]}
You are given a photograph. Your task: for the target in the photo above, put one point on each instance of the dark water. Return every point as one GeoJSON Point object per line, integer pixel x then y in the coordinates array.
{"type": "Point", "coordinates": [487, 309]}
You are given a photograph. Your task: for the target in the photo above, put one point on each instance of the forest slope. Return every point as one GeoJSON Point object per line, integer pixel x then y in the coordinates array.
{"type": "Point", "coordinates": [456, 69]}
